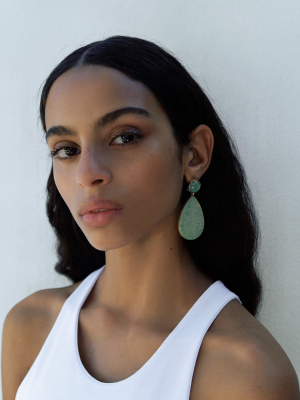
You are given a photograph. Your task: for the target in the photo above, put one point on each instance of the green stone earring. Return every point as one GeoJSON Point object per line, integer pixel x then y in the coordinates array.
{"type": "Point", "coordinates": [191, 219]}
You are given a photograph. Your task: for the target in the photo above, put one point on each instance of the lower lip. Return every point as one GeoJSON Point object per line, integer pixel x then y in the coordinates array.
{"type": "Point", "coordinates": [101, 218]}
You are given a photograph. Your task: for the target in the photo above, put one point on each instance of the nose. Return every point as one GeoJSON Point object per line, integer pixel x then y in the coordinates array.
{"type": "Point", "coordinates": [92, 168]}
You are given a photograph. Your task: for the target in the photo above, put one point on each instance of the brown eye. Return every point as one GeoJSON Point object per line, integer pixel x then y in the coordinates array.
{"type": "Point", "coordinates": [127, 135]}
{"type": "Point", "coordinates": [64, 150]}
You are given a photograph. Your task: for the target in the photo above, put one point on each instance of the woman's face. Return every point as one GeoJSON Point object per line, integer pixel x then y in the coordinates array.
{"type": "Point", "coordinates": [143, 175]}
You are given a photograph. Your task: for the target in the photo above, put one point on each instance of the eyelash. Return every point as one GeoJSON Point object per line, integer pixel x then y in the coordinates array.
{"type": "Point", "coordinates": [55, 151]}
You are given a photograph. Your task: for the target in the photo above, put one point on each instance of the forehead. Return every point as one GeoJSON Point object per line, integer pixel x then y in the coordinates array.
{"type": "Point", "coordinates": [91, 91]}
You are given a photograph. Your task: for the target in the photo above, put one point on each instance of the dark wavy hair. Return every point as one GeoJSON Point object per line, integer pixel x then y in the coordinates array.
{"type": "Point", "coordinates": [227, 250]}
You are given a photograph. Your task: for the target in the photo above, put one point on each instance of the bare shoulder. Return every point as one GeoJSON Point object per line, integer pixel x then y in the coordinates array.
{"type": "Point", "coordinates": [25, 330]}
{"type": "Point", "coordinates": [239, 358]}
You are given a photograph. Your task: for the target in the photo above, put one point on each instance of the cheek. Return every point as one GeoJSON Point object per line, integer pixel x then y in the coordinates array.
{"type": "Point", "coordinates": [63, 184]}
{"type": "Point", "coordinates": [155, 179]}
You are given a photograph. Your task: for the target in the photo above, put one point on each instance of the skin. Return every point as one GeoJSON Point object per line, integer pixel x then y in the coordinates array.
{"type": "Point", "coordinates": [150, 281]}
{"type": "Point", "coordinates": [142, 283]}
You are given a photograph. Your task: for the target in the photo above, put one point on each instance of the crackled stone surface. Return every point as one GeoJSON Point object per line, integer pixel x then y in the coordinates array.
{"type": "Point", "coordinates": [191, 223]}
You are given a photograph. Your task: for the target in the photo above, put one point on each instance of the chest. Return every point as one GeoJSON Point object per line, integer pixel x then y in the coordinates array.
{"type": "Point", "coordinates": [112, 352]}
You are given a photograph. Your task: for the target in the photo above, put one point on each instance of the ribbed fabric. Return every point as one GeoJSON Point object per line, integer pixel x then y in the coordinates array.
{"type": "Point", "coordinates": [58, 373]}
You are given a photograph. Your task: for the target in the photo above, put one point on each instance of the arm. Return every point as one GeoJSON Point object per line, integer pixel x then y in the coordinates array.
{"type": "Point", "coordinates": [260, 377]}
{"type": "Point", "coordinates": [24, 331]}
{"type": "Point", "coordinates": [249, 370]}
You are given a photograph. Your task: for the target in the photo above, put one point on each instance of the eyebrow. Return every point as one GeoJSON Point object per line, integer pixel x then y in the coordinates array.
{"type": "Point", "coordinates": [59, 130]}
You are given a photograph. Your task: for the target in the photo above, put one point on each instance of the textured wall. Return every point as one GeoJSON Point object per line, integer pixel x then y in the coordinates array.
{"type": "Point", "coordinates": [246, 56]}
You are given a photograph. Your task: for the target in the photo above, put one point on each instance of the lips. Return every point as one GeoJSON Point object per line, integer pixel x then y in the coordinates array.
{"type": "Point", "coordinates": [99, 203]}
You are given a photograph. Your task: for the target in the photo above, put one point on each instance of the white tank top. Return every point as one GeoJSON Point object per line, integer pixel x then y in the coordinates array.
{"type": "Point", "coordinates": [58, 373]}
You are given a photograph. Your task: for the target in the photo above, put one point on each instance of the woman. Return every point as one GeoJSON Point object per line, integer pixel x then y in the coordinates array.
{"type": "Point", "coordinates": [162, 305]}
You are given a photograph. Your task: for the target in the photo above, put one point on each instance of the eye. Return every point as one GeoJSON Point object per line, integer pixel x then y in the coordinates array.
{"type": "Point", "coordinates": [70, 151]}
{"type": "Point", "coordinates": [64, 150]}
{"type": "Point", "coordinates": [127, 135]}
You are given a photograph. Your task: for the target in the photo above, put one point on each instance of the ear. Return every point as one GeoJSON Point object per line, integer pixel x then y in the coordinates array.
{"type": "Point", "coordinates": [199, 153]}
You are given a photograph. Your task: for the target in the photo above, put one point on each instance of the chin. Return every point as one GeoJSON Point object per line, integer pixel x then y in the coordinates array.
{"type": "Point", "coordinates": [103, 242]}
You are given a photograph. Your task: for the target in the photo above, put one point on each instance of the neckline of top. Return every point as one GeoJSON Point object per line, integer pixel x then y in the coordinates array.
{"type": "Point", "coordinates": [195, 306]}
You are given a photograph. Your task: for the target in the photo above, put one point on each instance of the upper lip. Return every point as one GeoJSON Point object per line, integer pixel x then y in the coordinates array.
{"type": "Point", "coordinates": [97, 204]}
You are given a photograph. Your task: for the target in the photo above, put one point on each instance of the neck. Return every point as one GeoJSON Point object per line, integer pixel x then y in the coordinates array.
{"type": "Point", "coordinates": [150, 278]}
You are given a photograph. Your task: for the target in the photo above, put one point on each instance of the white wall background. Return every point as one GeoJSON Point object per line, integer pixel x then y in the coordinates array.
{"type": "Point", "coordinates": [245, 54]}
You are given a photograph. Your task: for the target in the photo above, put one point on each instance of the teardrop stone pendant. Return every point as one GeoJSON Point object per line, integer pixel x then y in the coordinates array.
{"type": "Point", "coordinates": [191, 219]}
